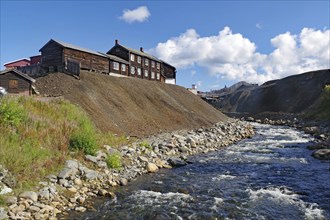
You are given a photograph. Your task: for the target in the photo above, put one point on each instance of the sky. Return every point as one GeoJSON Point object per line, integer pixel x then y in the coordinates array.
{"type": "Point", "coordinates": [211, 43]}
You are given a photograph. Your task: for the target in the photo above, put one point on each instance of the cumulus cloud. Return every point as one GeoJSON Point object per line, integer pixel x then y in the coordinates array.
{"type": "Point", "coordinates": [139, 14]}
{"type": "Point", "coordinates": [232, 56]}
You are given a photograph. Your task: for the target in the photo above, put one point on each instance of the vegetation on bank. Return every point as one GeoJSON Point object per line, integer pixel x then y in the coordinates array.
{"type": "Point", "coordinates": [37, 137]}
{"type": "Point", "coordinates": [321, 109]}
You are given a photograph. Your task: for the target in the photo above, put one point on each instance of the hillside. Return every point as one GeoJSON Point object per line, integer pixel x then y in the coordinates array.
{"type": "Point", "coordinates": [131, 106]}
{"type": "Point", "coordinates": [293, 94]}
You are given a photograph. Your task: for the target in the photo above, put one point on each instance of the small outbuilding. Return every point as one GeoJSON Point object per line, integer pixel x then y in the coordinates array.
{"type": "Point", "coordinates": [17, 63]}
{"type": "Point", "coordinates": [15, 81]}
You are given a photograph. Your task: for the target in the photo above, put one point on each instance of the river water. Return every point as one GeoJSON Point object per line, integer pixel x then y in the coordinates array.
{"type": "Point", "coordinates": [270, 176]}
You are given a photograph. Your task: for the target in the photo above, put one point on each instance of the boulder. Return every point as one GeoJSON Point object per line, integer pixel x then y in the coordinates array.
{"type": "Point", "coordinates": [29, 195]}
{"type": "Point", "coordinates": [176, 162]}
{"type": "Point", "coordinates": [322, 154]}
{"type": "Point", "coordinates": [152, 168]}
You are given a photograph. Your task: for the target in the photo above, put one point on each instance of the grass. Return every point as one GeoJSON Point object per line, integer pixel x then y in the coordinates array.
{"type": "Point", "coordinates": [114, 161]}
{"type": "Point", "coordinates": [321, 110]}
{"type": "Point", "coordinates": [36, 137]}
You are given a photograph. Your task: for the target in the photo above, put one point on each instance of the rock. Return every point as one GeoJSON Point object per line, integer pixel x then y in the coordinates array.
{"type": "Point", "coordinates": [102, 192]}
{"type": "Point", "coordinates": [4, 189]}
{"type": "Point", "coordinates": [29, 195]}
{"type": "Point", "coordinates": [52, 178]}
{"type": "Point", "coordinates": [175, 162]}
{"type": "Point", "coordinates": [91, 174]}
{"type": "Point", "coordinates": [123, 182]}
{"type": "Point", "coordinates": [3, 213]}
{"type": "Point", "coordinates": [67, 172]}
{"type": "Point", "coordinates": [34, 208]}
{"type": "Point", "coordinates": [250, 119]}
{"type": "Point", "coordinates": [80, 209]}
{"type": "Point", "coordinates": [72, 189]}
{"type": "Point", "coordinates": [11, 200]}
{"type": "Point", "coordinates": [102, 164]}
{"type": "Point", "coordinates": [44, 194]}
{"type": "Point", "coordinates": [322, 154]}
{"type": "Point", "coordinates": [77, 181]}
{"type": "Point", "coordinates": [72, 164]}
{"type": "Point", "coordinates": [6, 177]}
{"type": "Point", "coordinates": [152, 168]}
{"type": "Point", "coordinates": [143, 159]}
{"type": "Point", "coordinates": [91, 158]}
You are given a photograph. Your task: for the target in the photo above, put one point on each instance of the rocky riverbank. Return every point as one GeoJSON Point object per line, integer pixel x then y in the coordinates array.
{"type": "Point", "coordinates": [320, 130]}
{"type": "Point", "coordinates": [79, 181]}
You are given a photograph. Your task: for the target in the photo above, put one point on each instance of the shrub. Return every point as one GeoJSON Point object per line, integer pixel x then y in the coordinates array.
{"type": "Point", "coordinates": [145, 144]}
{"type": "Point", "coordinates": [114, 161]}
{"type": "Point", "coordinates": [85, 142]}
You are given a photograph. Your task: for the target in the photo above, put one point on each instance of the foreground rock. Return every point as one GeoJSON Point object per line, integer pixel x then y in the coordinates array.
{"type": "Point", "coordinates": [75, 183]}
{"type": "Point", "coordinates": [322, 154]}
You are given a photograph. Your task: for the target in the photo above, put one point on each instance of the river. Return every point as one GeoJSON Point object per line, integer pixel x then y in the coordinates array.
{"type": "Point", "coordinates": [270, 176]}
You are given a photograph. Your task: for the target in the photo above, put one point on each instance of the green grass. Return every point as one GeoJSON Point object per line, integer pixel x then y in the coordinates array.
{"type": "Point", "coordinates": [36, 136]}
{"type": "Point", "coordinates": [321, 110]}
{"type": "Point", "coordinates": [145, 144]}
{"type": "Point", "coordinates": [114, 161]}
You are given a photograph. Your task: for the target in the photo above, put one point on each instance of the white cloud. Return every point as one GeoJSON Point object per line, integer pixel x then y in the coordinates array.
{"type": "Point", "coordinates": [139, 14]}
{"type": "Point", "coordinates": [232, 56]}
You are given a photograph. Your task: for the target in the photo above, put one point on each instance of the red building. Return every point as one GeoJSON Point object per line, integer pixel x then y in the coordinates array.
{"type": "Point", "coordinates": [17, 63]}
{"type": "Point", "coordinates": [35, 59]}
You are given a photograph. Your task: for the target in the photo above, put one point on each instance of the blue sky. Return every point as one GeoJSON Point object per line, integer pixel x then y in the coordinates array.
{"type": "Point", "coordinates": [212, 43]}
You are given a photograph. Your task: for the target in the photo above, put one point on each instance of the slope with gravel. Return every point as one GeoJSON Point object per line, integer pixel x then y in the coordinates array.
{"type": "Point", "coordinates": [131, 106]}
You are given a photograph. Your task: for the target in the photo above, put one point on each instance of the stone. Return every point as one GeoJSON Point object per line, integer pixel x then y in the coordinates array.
{"type": "Point", "coordinates": [3, 213]}
{"type": "Point", "coordinates": [44, 194]}
{"type": "Point", "coordinates": [143, 159]}
{"type": "Point", "coordinates": [4, 189]}
{"type": "Point", "coordinates": [72, 164]}
{"type": "Point", "coordinates": [80, 209]}
{"type": "Point", "coordinates": [11, 200]}
{"type": "Point", "coordinates": [29, 195]}
{"type": "Point", "coordinates": [77, 181]}
{"type": "Point", "coordinates": [102, 164]}
{"type": "Point", "coordinates": [91, 158]}
{"type": "Point", "coordinates": [102, 192]}
{"type": "Point", "coordinates": [322, 154]}
{"type": "Point", "coordinates": [34, 208]}
{"type": "Point", "coordinates": [176, 162]}
{"type": "Point", "coordinates": [81, 200]}
{"type": "Point", "coordinates": [67, 173]}
{"type": "Point", "coordinates": [152, 168]}
{"type": "Point", "coordinates": [72, 189]}
{"type": "Point", "coordinates": [91, 174]}
{"type": "Point", "coordinates": [123, 181]}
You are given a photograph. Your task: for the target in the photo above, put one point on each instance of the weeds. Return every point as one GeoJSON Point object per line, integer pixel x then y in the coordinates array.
{"type": "Point", "coordinates": [146, 145]}
{"type": "Point", "coordinates": [114, 161]}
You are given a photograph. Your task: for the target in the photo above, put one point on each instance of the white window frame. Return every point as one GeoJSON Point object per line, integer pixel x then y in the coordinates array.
{"type": "Point", "coordinates": [153, 64]}
{"type": "Point", "coordinates": [115, 65]}
{"type": "Point", "coordinates": [158, 76]}
{"type": "Point", "coordinates": [139, 59]}
{"type": "Point", "coordinates": [132, 70]}
{"type": "Point", "coordinates": [123, 67]}
{"type": "Point", "coordinates": [152, 75]}
{"type": "Point", "coordinates": [132, 57]}
{"type": "Point", "coordinates": [158, 65]}
{"type": "Point", "coordinates": [146, 62]}
{"type": "Point", "coordinates": [139, 71]}
{"type": "Point", "coordinates": [146, 73]}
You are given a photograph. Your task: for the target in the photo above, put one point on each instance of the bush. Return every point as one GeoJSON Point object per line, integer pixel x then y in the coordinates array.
{"type": "Point", "coordinates": [114, 161]}
{"type": "Point", "coordinates": [11, 112]}
{"type": "Point", "coordinates": [85, 142]}
{"type": "Point", "coordinates": [145, 144]}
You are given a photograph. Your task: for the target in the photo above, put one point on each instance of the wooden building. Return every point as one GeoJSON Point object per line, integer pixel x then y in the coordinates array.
{"type": "Point", "coordinates": [15, 81]}
{"type": "Point", "coordinates": [169, 72]}
{"type": "Point", "coordinates": [55, 56]}
{"type": "Point", "coordinates": [17, 63]}
{"type": "Point", "coordinates": [141, 64]}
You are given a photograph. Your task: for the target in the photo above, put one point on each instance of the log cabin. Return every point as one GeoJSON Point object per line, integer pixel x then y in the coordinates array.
{"type": "Point", "coordinates": [15, 81]}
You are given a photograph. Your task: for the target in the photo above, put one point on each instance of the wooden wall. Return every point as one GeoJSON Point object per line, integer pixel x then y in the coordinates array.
{"type": "Point", "coordinates": [52, 55]}
{"type": "Point", "coordinates": [23, 85]}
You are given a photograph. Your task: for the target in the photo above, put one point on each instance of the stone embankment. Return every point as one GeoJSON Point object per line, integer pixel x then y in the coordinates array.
{"type": "Point", "coordinates": [74, 186]}
{"type": "Point", "coordinates": [320, 131]}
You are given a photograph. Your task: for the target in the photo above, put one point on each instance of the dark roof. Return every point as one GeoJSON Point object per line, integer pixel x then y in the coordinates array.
{"type": "Point", "coordinates": [113, 57]}
{"type": "Point", "coordinates": [168, 64]}
{"type": "Point", "coordinates": [66, 45]}
{"type": "Point", "coordinates": [143, 54]}
{"type": "Point", "coordinates": [18, 73]}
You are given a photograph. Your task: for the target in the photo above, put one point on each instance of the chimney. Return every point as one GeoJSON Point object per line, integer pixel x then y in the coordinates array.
{"type": "Point", "coordinates": [116, 41]}
{"type": "Point", "coordinates": [141, 49]}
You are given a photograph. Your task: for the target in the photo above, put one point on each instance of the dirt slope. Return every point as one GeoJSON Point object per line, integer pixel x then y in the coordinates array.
{"type": "Point", "coordinates": [131, 106]}
{"type": "Point", "coordinates": [293, 94]}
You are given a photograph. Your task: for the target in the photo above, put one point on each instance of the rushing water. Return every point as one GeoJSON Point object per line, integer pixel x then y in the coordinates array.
{"type": "Point", "coordinates": [270, 176]}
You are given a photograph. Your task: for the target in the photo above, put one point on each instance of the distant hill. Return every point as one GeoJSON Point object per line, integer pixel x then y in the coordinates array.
{"type": "Point", "coordinates": [237, 86]}
{"type": "Point", "coordinates": [131, 106]}
{"type": "Point", "coordinates": [293, 94]}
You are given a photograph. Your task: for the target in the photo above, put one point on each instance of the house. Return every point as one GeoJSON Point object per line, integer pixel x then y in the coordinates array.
{"type": "Point", "coordinates": [34, 60]}
{"type": "Point", "coordinates": [15, 81]}
{"type": "Point", "coordinates": [169, 72]}
{"type": "Point", "coordinates": [17, 63]}
{"type": "Point", "coordinates": [141, 64]}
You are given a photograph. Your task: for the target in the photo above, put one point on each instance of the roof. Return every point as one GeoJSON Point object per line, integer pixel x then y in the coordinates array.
{"type": "Point", "coordinates": [113, 57]}
{"type": "Point", "coordinates": [17, 61]}
{"type": "Point", "coordinates": [168, 64]}
{"type": "Point", "coordinates": [66, 45]}
{"type": "Point", "coordinates": [143, 54]}
{"type": "Point", "coordinates": [18, 73]}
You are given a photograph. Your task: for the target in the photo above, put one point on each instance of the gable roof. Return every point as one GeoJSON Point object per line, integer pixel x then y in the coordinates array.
{"type": "Point", "coordinates": [113, 57]}
{"type": "Point", "coordinates": [140, 53]}
{"type": "Point", "coordinates": [18, 73]}
{"type": "Point", "coordinates": [66, 45]}
{"type": "Point", "coordinates": [23, 59]}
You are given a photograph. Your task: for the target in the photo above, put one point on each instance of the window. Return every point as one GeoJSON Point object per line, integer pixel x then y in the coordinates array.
{"type": "Point", "coordinates": [139, 59]}
{"type": "Point", "coordinates": [123, 67]}
{"type": "Point", "coordinates": [158, 65]}
{"type": "Point", "coordinates": [146, 62]}
{"type": "Point", "coordinates": [132, 57]}
{"type": "Point", "coordinates": [158, 76]}
{"type": "Point", "coordinates": [132, 70]}
{"type": "Point", "coordinates": [146, 74]}
{"type": "Point", "coordinates": [152, 75]}
{"type": "Point", "coordinates": [115, 65]}
{"type": "Point", "coordinates": [139, 71]}
{"type": "Point", "coordinates": [13, 84]}
{"type": "Point", "coordinates": [152, 64]}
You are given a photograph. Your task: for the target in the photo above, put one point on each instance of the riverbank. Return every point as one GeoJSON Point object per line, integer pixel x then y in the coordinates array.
{"type": "Point", "coordinates": [319, 129]}
{"type": "Point", "coordinates": [74, 186]}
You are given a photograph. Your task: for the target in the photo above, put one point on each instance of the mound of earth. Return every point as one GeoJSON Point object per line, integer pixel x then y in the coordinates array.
{"type": "Point", "coordinates": [293, 94]}
{"type": "Point", "coordinates": [131, 106]}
